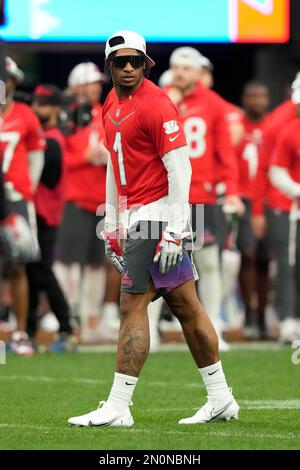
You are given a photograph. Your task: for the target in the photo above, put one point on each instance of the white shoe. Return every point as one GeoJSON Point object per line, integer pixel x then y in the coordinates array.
{"type": "Point", "coordinates": [213, 411]}
{"type": "Point", "coordinates": [105, 415]}
{"type": "Point", "coordinates": [20, 344]}
{"type": "Point", "coordinates": [288, 331]}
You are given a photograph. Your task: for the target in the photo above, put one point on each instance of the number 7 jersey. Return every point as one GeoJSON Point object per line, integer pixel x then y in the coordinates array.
{"type": "Point", "coordinates": [139, 131]}
{"type": "Point", "coordinates": [20, 133]}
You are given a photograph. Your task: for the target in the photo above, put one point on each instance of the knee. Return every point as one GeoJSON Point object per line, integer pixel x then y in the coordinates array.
{"type": "Point", "coordinates": [16, 272]}
{"type": "Point", "coordinates": [184, 311]}
{"type": "Point", "coordinates": [130, 306]}
{"type": "Point", "coordinates": [247, 258]}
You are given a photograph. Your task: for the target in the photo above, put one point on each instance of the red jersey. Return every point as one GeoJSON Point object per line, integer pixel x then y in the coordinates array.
{"type": "Point", "coordinates": [232, 112]}
{"type": "Point", "coordinates": [85, 182]}
{"type": "Point", "coordinates": [248, 155]}
{"type": "Point", "coordinates": [211, 152]}
{"type": "Point", "coordinates": [20, 133]}
{"type": "Point", "coordinates": [287, 150]}
{"type": "Point", "coordinates": [49, 203]}
{"type": "Point", "coordinates": [265, 192]}
{"type": "Point", "coordinates": [139, 131]}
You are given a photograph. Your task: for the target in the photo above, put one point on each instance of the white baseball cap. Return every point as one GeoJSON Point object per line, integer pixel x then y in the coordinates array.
{"type": "Point", "coordinates": [189, 56]}
{"type": "Point", "coordinates": [13, 70]}
{"type": "Point", "coordinates": [166, 78]}
{"type": "Point", "coordinates": [84, 73]}
{"type": "Point", "coordinates": [296, 89]}
{"type": "Point", "coordinates": [127, 40]}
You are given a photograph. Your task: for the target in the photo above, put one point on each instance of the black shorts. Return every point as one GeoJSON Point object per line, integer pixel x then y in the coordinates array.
{"type": "Point", "coordinates": [204, 225]}
{"type": "Point", "coordinates": [139, 268]}
{"type": "Point", "coordinates": [77, 239]}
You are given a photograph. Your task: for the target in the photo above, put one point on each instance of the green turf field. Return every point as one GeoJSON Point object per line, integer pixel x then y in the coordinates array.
{"type": "Point", "coordinates": [38, 394]}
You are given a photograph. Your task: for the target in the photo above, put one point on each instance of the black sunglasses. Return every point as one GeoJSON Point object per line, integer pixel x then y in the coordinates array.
{"type": "Point", "coordinates": [122, 60]}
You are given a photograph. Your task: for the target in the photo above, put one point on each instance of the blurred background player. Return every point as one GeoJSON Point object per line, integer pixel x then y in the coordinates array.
{"type": "Point", "coordinates": [254, 270]}
{"type": "Point", "coordinates": [270, 218]}
{"type": "Point", "coordinates": [22, 147]}
{"type": "Point", "coordinates": [285, 175]}
{"type": "Point", "coordinates": [81, 269]}
{"type": "Point", "coordinates": [211, 153]}
{"type": "Point", "coordinates": [49, 204]}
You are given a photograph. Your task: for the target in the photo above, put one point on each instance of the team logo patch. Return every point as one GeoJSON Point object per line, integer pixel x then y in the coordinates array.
{"type": "Point", "coordinates": [126, 279]}
{"type": "Point", "coordinates": [171, 127]}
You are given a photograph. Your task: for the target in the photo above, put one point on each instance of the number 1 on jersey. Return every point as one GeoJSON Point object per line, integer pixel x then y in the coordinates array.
{"type": "Point", "coordinates": [118, 149]}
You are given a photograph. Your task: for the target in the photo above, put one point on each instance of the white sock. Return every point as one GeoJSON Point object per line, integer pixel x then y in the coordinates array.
{"type": "Point", "coordinates": [122, 391]}
{"type": "Point", "coordinates": [215, 381]}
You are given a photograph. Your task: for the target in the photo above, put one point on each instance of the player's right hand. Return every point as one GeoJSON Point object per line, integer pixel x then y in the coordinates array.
{"type": "Point", "coordinates": [112, 249]}
{"type": "Point", "coordinates": [169, 251]}
{"type": "Point", "coordinates": [18, 240]}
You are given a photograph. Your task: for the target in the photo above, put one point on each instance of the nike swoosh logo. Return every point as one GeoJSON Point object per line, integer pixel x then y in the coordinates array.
{"type": "Point", "coordinates": [212, 373]}
{"type": "Point", "coordinates": [126, 383]}
{"type": "Point", "coordinates": [214, 414]}
{"type": "Point", "coordinates": [174, 138]}
{"type": "Point", "coordinates": [118, 123]}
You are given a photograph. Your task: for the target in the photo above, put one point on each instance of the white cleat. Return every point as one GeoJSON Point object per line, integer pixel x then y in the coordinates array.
{"type": "Point", "coordinates": [104, 416]}
{"type": "Point", "coordinates": [213, 411]}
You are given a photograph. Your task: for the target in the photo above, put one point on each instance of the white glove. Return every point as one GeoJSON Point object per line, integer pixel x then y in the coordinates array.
{"type": "Point", "coordinates": [18, 240]}
{"type": "Point", "coordinates": [112, 249]}
{"type": "Point", "coordinates": [169, 251]}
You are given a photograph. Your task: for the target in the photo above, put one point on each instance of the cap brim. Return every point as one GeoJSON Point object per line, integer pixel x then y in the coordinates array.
{"type": "Point", "coordinates": [150, 62]}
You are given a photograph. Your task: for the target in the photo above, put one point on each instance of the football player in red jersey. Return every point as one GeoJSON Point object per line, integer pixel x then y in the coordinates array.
{"type": "Point", "coordinates": [270, 209]}
{"type": "Point", "coordinates": [285, 176]}
{"type": "Point", "coordinates": [253, 276]}
{"type": "Point", "coordinates": [22, 144]}
{"type": "Point", "coordinates": [213, 159]}
{"type": "Point", "coordinates": [149, 167]}
{"type": "Point", "coordinates": [81, 254]}
{"type": "Point", "coordinates": [49, 204]}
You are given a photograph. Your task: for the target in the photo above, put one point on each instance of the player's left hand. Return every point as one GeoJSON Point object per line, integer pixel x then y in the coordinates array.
{"type": "Point", "coordinates": [96, 156]}
{"type": "Point", "coordinates": [18, 240]}
{"type": "Point", "coordinates": [236, 202]}
{"type": "Point", "coordinates": [169, 251]}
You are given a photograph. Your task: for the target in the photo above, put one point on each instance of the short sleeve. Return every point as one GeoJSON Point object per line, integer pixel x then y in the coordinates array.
{"type": "Point", "coordinates": [283, 154]}
{"type": "Point", "coordinates": [162, 123]}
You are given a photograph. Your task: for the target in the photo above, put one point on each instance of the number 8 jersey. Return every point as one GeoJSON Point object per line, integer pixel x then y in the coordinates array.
{"type": "Point", "coordinates": [20, 133]}
{"type": "Point", "coordinates": [139, 131]}
{"type": "Point", "coordinates": [211, 153]}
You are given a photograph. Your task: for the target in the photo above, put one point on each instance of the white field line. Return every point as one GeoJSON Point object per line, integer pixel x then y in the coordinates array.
{"type": "Point", "coordinates": [182, 347]}
{"type": "Point", "coordinates": [245, 404]}
{"type": "Point", "coordinates": [81, 380]}
{"type": "Point", "coordinates": [188, 432]}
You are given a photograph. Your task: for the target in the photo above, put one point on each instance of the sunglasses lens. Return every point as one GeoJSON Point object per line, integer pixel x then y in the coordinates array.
{"type": "Point", "coordinates": [135, 60]}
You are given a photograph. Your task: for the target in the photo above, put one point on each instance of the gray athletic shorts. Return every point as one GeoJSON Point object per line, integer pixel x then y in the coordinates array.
{"type": "Point", "coordinates": [77, 239]}
{"type": "Point", "coordinates": [139, 251]}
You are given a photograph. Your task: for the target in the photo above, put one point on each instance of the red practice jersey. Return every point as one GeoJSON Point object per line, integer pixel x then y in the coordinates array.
{"type": "Point", "coordinates": [20, 133]}
{"type": "Point", "coordinates": [85, 182]}
{"type": "Point", "coordinates": [248, 154]}
{"type": "Point", "coordinates": [211, 152]}
{"type": "Point", "coordinates": [287, 150]}
{"type": "Point", "coordinates": [265, 192]}
{"type": "Point", "coordinates": [139, 131]}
